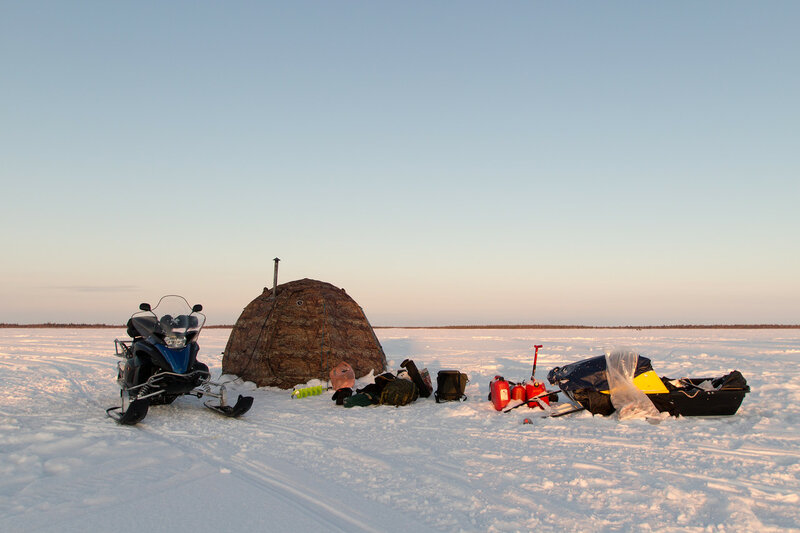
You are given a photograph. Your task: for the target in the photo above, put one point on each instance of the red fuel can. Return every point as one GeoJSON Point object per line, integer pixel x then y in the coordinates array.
{"type": "Point", "coordinates": [533, 389]}
{"type": "Point", "coordinates": [499, 392]}
{"type": "Point", "coordinates": [518, 392]}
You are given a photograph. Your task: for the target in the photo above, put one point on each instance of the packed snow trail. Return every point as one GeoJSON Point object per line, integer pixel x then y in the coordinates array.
{"type": "Point", "coordinates": [291, 464]}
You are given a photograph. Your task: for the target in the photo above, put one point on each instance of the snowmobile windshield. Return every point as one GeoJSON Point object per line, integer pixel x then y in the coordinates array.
{"type": "Point", "coordinates": [171, 321]}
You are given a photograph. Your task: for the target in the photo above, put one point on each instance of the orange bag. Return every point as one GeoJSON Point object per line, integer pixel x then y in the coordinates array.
{"type": "Point", "coordinates": [342, 376]}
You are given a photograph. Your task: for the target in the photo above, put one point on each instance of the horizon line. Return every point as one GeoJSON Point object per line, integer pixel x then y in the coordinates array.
{"type": "Point", "coordinates": [56, 325]}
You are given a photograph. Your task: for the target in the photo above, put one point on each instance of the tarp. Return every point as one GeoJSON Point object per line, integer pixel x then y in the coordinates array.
{"type": "Point", "coordinates": [589, 374]}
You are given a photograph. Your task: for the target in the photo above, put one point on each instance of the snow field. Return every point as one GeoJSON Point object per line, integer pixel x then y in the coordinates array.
{"type": "Point", "coordinates": [291, 464]}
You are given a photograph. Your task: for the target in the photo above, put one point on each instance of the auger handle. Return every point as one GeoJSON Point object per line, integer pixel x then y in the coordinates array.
{"type": "Point", "coordinates": [535, 357]}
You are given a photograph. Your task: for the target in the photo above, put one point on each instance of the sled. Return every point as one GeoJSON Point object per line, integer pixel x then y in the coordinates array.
{"type": "Point", "coordinates": [585, 382]}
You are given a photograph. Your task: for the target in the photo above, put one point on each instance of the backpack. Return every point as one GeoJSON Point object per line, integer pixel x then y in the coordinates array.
{"type": "Point", "coordinates": [399, 392]}
{"type": "Point", "coordinates": [372, 391]}
{"type": "Point", "coordinates": [450, 385]}
{"type": "Point", "coordinates": [421, 379]}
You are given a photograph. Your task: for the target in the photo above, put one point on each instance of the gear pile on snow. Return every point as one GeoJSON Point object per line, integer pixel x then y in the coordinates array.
{"type": "Point", "coordinates": [402, 388]}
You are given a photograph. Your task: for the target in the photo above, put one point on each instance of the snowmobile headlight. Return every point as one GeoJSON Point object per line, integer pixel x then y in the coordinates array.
{"type": "Point", "coordinates": [174, 341]}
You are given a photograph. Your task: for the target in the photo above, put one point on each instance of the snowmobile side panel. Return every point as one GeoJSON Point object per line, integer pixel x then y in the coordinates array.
{"type": "Point", "coordinates": [136, 370]}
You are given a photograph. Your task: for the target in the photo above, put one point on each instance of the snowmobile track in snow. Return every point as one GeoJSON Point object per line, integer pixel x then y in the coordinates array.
{"type": "Point", "coordinates": [293, 487]}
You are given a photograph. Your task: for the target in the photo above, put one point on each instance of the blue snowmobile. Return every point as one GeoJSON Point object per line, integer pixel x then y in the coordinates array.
{"type": "Point", "coordinates": [160, 362]}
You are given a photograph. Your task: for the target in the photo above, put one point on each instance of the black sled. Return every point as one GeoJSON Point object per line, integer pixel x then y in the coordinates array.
{"type": "Point", "coordinates": [586, 383]}
{"type": "Point", "coordinates": [160, 363]}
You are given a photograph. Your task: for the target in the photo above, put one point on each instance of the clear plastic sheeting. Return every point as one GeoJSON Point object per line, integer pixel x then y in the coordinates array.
{"type": "Point", "coordinates": [628, 400]}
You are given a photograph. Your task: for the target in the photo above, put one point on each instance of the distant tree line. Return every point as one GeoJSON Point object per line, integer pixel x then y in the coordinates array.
{"type": "Point", "coordinates": [491, 326]}
{"type": "Point", "coordinates": [59, 325]}
{"type": "Point", "coordinates": [561, 326]}
{"type": "Point", "coordinates": [86, 326]}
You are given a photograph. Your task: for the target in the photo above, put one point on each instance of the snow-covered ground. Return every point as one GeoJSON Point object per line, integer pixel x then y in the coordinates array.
{"type": "Point", "coordinates": [293, 465]}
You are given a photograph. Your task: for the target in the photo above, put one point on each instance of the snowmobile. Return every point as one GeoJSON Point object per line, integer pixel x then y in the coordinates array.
{"type": "Point", "coordinates": [159, 362]}
{"type": "Point", "coordinates": [587, 383]}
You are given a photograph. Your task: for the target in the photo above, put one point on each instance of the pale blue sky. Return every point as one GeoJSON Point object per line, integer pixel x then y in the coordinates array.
{"type": "Point", "coordinates": [445, 162]}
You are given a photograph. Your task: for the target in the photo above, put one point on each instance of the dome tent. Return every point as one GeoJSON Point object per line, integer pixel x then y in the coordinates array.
{"type": "Point", "coordinates": [299, 331]}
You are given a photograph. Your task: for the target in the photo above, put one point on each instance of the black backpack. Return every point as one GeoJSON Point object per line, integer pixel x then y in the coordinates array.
{"type": "Point", "coordinates": [450, 385]}
{"type": "Point", "coordinates": [375, 389]}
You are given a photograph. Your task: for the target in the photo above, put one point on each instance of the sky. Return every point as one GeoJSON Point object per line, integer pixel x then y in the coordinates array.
{"type": "Point", "coordinates": [614, 163]}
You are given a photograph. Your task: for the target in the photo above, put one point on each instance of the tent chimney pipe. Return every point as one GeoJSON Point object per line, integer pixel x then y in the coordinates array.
{"type": "Point", "coordinates": [275, 279]}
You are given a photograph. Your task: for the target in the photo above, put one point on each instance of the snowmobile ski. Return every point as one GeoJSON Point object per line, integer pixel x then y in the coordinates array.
{"type": "Point", "coordinates": [135, 412]}
{"type": "Point", "coordinates": [243, 404]}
